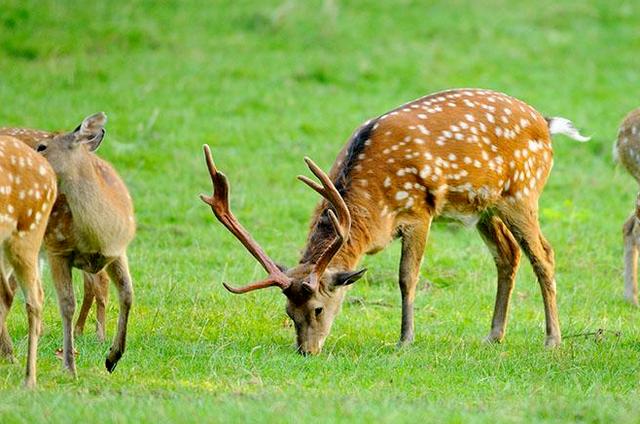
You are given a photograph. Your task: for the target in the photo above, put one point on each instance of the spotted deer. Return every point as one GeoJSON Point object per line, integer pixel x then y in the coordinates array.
{"type": "Point", "coordinates": [27, 193]}
{"type": "Point", "coordinates": [478, 156]}
{"type": "Point", "coordinates": [96, 286]}
{"type": "Point", "coordinates": [90, 227]}
{"type": "Point", "coordinates": [626, 150]}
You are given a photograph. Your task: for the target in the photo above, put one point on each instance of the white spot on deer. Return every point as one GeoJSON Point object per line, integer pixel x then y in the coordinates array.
{"type": "Point", "coordinates": [423, 129]}
{"type": "Point", "coordinates": [401, 195]}
{"type": "Point", "coordinates": [410, 202]}
{"type": "Point", "coordinates": [469, 117]}
{"type": "Point", "coordinates": [425, 172]}
{"type": "Point", "coordinates": [400, 172]}
{"type": "Point", "coordinates": [490, 118]}
{"type": "Point", "coordinates": [387, 182]}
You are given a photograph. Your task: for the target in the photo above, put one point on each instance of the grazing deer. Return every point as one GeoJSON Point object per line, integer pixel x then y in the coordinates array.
{"type": "Point", "coordinates": [479, 156]}
{"type": "Point", "coordinates": [96, 286]}
{"type": "Point", "coordinates": [90, 228]}
{"type": "Point", "coordinates": [27, 193]}
{"type": "Point", "coordinates": [626, 150]}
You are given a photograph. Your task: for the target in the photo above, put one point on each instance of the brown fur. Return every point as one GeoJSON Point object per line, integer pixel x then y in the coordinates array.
{"type": "Point", "coordinates": [627, 152]}
{"type": "Point", "coordinates": [95, 286]}
{"type": "Point", "coordinates": [474, 155]}
{"type": "Point", "coordinates": [27, 193]}
{"type": "Point", "coordinates": [89, 229]}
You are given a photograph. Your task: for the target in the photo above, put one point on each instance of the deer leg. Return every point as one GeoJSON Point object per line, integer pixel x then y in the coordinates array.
{"type": "Point", "coordinates": [61, 272]}
{"type": "Point", "coordinates": [414, 239]}
{"type": "Point", "coordinates": [118, 271]}
{"type": "Point", "coordinates": [25, 266]}
{"type": "Point", "coordinates": [523, 223]}
{"type": "Point", "coordinates": [506, 255]}
{"type": "Point", "coordinates": [7, 292]}
{"type": "Point", "coordinates": [101, 292]}
{"type": "Point", "coordinates": [87, 301]}
{"type": "Point", "coordinates": [630, 233]}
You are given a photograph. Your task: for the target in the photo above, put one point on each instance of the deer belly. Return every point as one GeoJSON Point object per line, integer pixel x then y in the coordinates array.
{"type": "Point", "coordinates": [90, 262]}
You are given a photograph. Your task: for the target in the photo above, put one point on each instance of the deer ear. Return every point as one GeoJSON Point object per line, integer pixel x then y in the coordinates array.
{"type": "Point", "coordinates": [91, 131]}
{"type": "Point", "coordinates": [347, 278]}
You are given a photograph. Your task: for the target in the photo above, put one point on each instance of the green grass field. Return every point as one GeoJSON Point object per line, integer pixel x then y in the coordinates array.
{"type": "Point", "coordinates": [265, 83]}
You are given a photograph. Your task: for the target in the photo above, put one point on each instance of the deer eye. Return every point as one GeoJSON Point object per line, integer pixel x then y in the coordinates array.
{"type": "Point", "coordinates": [318, 311]}
{"type": "Point", "coordinates": [41, 148]}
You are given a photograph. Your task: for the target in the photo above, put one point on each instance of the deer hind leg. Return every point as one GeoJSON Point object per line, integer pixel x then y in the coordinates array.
{"type": "Point", "coordinates": [523, 223]}
{"type": "Point", "coordinates": [96, 286]}
{"type": "Point", "coordinates": [414, 239]}
{"type": "Point", "coordinates": [631, 235]}
{"type": "Point", "coordinates": [25, 265]}
{"type": "Point", "coordinates": [7, 292]}
{"type": "Point", "coordinates": [87, 301]}
{"type": "Point", "coordinates": [118, 271]}
{"type": "Point", "coordinates": [506, 255]}
{"type": "Point", "coordinates": [61, 272]}
{"type": "Point", "coordinates": [101, 293]}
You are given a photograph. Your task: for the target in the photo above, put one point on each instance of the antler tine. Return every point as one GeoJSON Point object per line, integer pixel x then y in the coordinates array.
{"type": "Point", "coordinates": [219, 203]}
{"type": "Point", "coordinates": [341, 219]}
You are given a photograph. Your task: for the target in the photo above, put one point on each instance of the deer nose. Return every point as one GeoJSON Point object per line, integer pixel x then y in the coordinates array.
{"type": "Point", "coordinates": [309, 350]}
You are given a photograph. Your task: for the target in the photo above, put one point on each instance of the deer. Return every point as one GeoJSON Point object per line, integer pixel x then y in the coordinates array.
{"type": "Point", "coordinates": [477, 156]}
{"type": "Point", "coordinates": [27, 193]}
{"type": "Point", "coordinates": [96, 286]}
{"type": "Point", "coordinates": [626, 151]}
{"type": "Point", "coordinates": [91, 225]}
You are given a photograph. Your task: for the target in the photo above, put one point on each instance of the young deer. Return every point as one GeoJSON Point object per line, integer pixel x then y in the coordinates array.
{"type": "Point", "coordinates": [27, 193]}
{"type": "Point", "coordinates": [627, 151]}
{"type": "Point", "coordinates": [475, 155]}
{"type": "Point", "coordinates": [96, 286]}
{"type": "Point", "coordinates": [90, 227]}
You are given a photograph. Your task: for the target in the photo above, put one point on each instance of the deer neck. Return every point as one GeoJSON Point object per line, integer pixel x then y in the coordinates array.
{"type": "Point", "coordinates": [90, 208]}
{"type": "Point", "coordinates": [354, 248]}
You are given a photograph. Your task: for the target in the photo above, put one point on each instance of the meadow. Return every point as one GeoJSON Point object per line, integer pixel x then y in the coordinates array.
{"type": "Point", "coordinates": [266, 83]}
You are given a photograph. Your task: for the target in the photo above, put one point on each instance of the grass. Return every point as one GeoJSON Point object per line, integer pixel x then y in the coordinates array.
{"type": "Point", "coordinates": [265, 83]}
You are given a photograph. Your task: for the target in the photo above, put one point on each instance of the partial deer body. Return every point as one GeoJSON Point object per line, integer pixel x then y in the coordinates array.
{"type": "Point", "coordinates": [627, 151]}
{"type": "Point", "coordinates": [476, 155]}
{"type": "Point", "coordinates": [96, 286]}
{"type": "Point", "coordinates": [27, 193]}
{"type": "Point", "coordinates": [89, 229]}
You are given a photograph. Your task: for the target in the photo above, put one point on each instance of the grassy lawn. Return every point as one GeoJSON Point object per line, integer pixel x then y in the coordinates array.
{"type": "Point", "coordinates": [265, 83]}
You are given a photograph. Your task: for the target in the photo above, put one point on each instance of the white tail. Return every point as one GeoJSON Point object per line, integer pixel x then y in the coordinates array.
{"type": "Point", "coordinates": [558, 125]}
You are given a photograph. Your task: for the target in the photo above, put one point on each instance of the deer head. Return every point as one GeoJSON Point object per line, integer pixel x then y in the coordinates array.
{"type": "Point", "coordinates": [66, 150]}
{"type": "Point", "coordinates": [314, 291]}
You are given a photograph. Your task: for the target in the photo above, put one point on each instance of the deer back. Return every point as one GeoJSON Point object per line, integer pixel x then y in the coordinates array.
{"type": "Point", "coordinates": [453, 153]}
{"type": "Point", "coordinates": [27, 191]}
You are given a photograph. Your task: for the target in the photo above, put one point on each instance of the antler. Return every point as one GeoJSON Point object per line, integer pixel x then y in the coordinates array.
{"type": "Point", "coordinates": [341, 222]}
{"type": "Point", "coordinates": [219, 203]}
